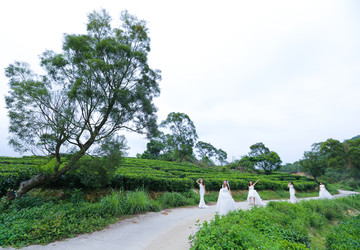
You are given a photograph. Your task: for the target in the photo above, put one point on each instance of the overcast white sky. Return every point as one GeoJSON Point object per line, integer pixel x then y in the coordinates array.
{"type": "Point", "coordinates": [285, 73]}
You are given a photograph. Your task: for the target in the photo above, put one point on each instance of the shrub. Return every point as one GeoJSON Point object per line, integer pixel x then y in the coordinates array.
{"type": "Point", "coordinates": [172, 199]}
{"type": "Point", "coordinates": [138, 202]}
{"type": "Point", "coordinates": [280, 225]}
{"type": "Point", "coordinates": [346, 235]}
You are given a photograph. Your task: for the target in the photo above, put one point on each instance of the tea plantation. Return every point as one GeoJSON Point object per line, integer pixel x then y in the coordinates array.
{"type": "Point", "coordinates": [152, 175]}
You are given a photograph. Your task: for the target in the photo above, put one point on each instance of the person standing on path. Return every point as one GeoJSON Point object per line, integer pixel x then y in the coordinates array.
{"type": "Point", "coordinates": [225, 202]}
{"type": "Point", "coordinates": [254, 195]}
{"type": "Point", "coordinates": [293, 198]}
{"type": "Point", "coordinates": [323, 193]}
{"type": "Point", "coordinates": [201, 183]}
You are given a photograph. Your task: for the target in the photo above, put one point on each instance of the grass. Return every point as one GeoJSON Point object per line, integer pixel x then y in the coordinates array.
{"type": "Point", "coordinates": [318, 237]}
{"type": "Point", "coordinates": [35, 220]}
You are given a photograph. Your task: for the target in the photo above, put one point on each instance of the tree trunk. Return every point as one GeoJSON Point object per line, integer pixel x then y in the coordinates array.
{"type": "Point", "coordinates": [35, 181]}
{"type": "Point", "coordinates": [41, 179]}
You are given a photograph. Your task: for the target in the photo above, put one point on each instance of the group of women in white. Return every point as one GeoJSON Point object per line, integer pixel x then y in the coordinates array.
{"type": "Point", "coordinates": [323, 193]}
{"type": "Point", "coordinates": [226, 203]}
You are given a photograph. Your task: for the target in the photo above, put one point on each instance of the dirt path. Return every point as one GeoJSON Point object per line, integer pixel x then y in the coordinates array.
{"type": "Point", "coordinates": [168, 229]}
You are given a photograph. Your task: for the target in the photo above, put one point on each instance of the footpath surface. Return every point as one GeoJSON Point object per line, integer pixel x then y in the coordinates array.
{"type": "Point", "coordinates": [168, 229]}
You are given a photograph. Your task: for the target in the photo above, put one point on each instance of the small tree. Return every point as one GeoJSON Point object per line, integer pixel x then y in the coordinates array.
{"type": "Point", "coordinates": [99, 85]}
{"type": "Point", "coordinates": [247, 163]}
{"type": "Point", "coordinates": [313, 162]}
{"type": "Point", "coordinates": [183, 135]}
{"type": "Point", "coordinates": [208, 153]}
{"type": "Point", "coordinates": [265, 159]}
{"type": "Point", "coordinates": [153, 149]}
{"type": "Point", "coordinates": [221, 156]}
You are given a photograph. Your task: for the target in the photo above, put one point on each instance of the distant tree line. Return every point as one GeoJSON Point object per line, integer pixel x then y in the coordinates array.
{"type": "Point", "coordinates": [331, 160]}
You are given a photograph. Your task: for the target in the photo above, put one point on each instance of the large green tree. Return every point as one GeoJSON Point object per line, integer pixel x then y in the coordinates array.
{"type": "Point", "coordinates": [264, 158]}
{"type": "Point", "coordinates": [99, 85]}
{"type": "Point", "coordinates": [314, 161]}
{"type": "Point", "coordinates": [342, 156]}
{"type": "Point", "coordinates": [208, 153]}
{"type": "Point", "coordinates": [154, 149]}
{"type": "Point", "coordinates": [183, 136]}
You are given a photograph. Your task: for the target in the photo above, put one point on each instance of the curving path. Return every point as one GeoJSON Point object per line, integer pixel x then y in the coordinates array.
{"type": "Point", "coordinates": [168, 229]}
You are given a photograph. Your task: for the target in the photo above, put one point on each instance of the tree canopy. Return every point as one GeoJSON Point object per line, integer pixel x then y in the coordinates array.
{"type": "Point", "coordinates": [209, 153]}
{"type": "Point", "coordinates": [314, 162]}
{"type": "Point", "coordinates": [261, 157]}
{"type": "Point", "coordinates": [183, 134]}
{"type": "Point", "coordinates": [99, 85]}
{"type": "Point", "coordinates": [334, 159]}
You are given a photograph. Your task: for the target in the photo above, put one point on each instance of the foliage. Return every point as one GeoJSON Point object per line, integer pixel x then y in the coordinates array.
{"type": "Point", "coordinates": [291, 167]}
{"type": "Point", "coordinates": [313, 162]}
{"type": "Point", "coordinates": [260, 157]}
{"type": "Point", "coordinates": [346, 235]}
{"type": "Point", "coordinates": [158, 175]}
{"type": "Point", "coordinates": [96, 172]}
{"type": "Point", "coordinates": [99, 85]}
{"type": "Point", "coordinates": [153, 149]}
{"type": "Point", "coordinates": [183, 135]}
{"type": "Point", "coordinates": [247, 163]}
{"type": "Point", "coordinates": [152, 175]}
{"type": "Point", "coordinates": [174, 199]}
{"type": "Point", "coordinates": [281, 225]}
{"type": "Point", "coordinates": [13, 171]}
{"type": "Point", "coordinates": [335, 161]}
{"type": "Point", "coordinates": [209, 153]}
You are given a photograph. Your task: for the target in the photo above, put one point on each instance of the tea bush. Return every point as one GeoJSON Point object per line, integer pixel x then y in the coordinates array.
{"type": "Point", "coordinates": [150, 175]}
{"type": "Point", "coordinates": [346, 235]}
{"type": "Point", "coordinates": [280, 225]}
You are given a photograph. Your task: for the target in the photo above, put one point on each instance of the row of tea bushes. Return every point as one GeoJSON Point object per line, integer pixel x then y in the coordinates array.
{"type": "Point", "coordinates": [139, 170]}
{"type": "Point", "coordinates": [15, 170]}
{"type": "Point", "coordinates": [152, 175]}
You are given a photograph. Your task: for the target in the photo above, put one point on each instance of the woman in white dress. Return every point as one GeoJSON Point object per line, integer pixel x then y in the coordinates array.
{"type": "Point", "coordinates": [293, 198]}
{"type": "Point", "coordinates": [323, 193]}
{"type": "Point", "coordinates": [225, 202]}
{"type": "Point", "coordinates": [253, 195]}
{"type": "Point", "coordinates": [201, 183]}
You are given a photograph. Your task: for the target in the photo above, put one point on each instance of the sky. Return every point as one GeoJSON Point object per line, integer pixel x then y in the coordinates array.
{"type": "Point", "coordinates": [285, 73]}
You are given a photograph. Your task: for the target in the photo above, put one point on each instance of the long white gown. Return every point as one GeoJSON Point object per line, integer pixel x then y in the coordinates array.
{"type": "Point", "coordinates": [323, 193]}
{"type": "Point", "coordinates": [202, 193]}
{"type": "Point", "coordinates": [254, 193]}
{"type": "Point", "coordinates": [293, 198]}
{"type": "Point", "coordinates": [225, 202]}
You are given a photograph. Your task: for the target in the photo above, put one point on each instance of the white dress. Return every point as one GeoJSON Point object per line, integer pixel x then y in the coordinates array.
{"type": "Point", "coordinates": [202, 193]}
{"type": "Point", "coordinates": [253, 193]}
{"type": "Point", "coordinates": [293, 198]}
{"type": "Point", "coordinates": [323, 193]}
{"type": "Point", "coordinates": [225, 202]}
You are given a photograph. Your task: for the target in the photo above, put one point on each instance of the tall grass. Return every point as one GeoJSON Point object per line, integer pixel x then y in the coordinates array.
{"type": "Point", "coordinates": [138, 202]}
{"type": "Point", "coordinates": [112, 204]}
{"type": "Point", "coordinates": [173, 199]}
{"type": "Point", "coordinates": [32, 220]}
